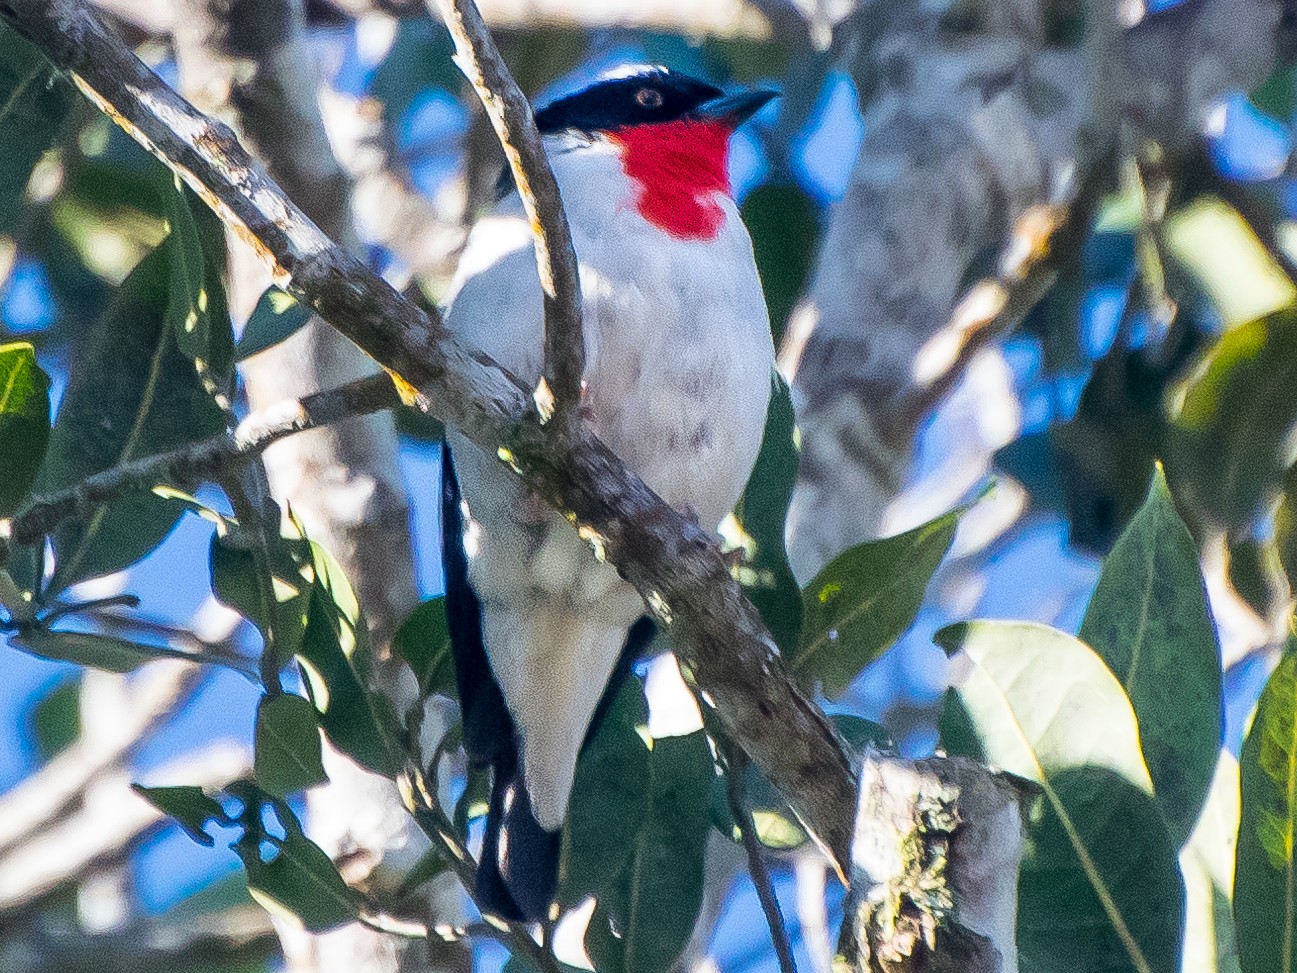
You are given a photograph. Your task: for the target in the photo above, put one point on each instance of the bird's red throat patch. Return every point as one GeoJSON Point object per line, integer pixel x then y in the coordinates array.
{"type": "Point", "coordinates": [678, 168]}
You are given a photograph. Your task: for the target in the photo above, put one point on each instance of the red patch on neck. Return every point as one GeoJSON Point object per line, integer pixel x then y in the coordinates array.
{"type": "Point", "coordinates": [679, 167]}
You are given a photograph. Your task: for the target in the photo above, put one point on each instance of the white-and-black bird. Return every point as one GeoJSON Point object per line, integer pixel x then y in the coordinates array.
{"type": "Point", "coordinates": [678, 372]}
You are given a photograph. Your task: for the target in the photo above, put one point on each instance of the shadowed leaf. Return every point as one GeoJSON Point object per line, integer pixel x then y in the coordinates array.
{"type": "Point", "coordinates": [288, 752]}
{"type": "Point", "coordinates": [1149, 621]}
{"type": "Point", "coordinates": [277, 317]}
{"type": "Point", "coordinates": [189, 806]}
{"type": "Point", "coordinates": [423, 641]}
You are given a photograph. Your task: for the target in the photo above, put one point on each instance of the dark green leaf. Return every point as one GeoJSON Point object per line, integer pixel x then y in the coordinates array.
{"type": "Point", "coordinates": [288, 753]}
{"type": "Point", "coordinates": [196, 305]}
{"type": "Point", "coordinates": [1227, 443]}
{"type": "Point", "coordinates": [297, 879]}
{"type": "Point", "coordinates": [654, 904]}
{"type": "Point", "coordinates": [863, 600]}
{"type": "Point", "coordinates": [762, 512]}
{"type": "Point", "coordinates": [55, 718]}
{"type": "Point", "coordinates": [784, 223]}
{"type": "Point", "coordinates": [189, 806]}
{"type": "Point", "coordinates": [609, 798]}
{"type": "Point", "coordinates": [339, 668]}
{"type": "Point", "coordinates": [862, 733]}
{"type": "Point", "coordinates": [1149, 621]}
{"type": "Point", "coordinates": [1285, 527]}
{"type": "Point", "coordinates": [1100, 889]}
{"type": "Point", "coordinates": [1265, 884]}
{"type": "Point", "coordinates": [277, 316]}
{"type": "Point", "coordinates": [24, 422]}
{"type": "Point", "coordinates": [34, 99]}
{"type": "Point", "coordinates": [95, 650]}
{"type": "Point", "coordinates": [131, 393]}
{"type": "Point", "coordinates": [423, 641]}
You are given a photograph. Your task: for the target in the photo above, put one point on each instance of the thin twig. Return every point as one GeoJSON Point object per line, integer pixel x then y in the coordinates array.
{"type": "Point", "coordinates": [559, 393]}
{"type": "Point", "coordinates": [676, 567]}
{"type": "Point", "coordinates": [206, 458]}
{"type": "Point", "coordinates": [735, 774]}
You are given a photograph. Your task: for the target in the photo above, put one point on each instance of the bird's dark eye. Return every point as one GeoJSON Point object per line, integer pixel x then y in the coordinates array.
{"type": "Point", "coordinates": [648, 98]}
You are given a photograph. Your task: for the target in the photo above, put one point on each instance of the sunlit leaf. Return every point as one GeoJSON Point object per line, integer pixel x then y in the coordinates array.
{"type": "Point", "coordinates": [1265, 883]}
{"type": "Point", "coordinates": [1207, 864]}
{"type": "Point", "coordinates": [1099, 888]}
{"type": "Point", "coordinates": [237, 583]}
{"type": "Point", "coordinates": [1150, 622]}
{"type": "Point", "coordinates": [288, 751]}
{"type": "Point", "coordinates": [24, 422]}
{"type": "Point", "coordinates": [864, 600]}
{"type": "Point", "coordinates": [196, 306]}
{"type": "Point", "coordinates": [1228, 440]}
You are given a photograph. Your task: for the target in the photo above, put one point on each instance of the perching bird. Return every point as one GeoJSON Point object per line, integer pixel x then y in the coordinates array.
{"type": "Point", "coordinates": [677, 381]}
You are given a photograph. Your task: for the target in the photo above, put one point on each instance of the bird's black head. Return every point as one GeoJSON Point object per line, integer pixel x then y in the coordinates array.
{"type": "Point", "coordinates": [651, 96]}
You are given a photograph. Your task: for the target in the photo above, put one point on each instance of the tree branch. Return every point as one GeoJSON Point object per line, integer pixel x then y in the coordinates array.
{"type": "Point", "coordinates": [477, 56]}
{"type": "Point", "coordinates": [208, 457]}
{"type": "Point", "coordinates": [675, 566]}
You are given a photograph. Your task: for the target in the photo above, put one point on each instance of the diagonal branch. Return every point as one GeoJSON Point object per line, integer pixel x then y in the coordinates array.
{"type": "Point", "coordinates": [477, 56]}
{"type": "Point", "coordinates": [675, 566]}
{"type": "Point", "coordinates": [208, 457]}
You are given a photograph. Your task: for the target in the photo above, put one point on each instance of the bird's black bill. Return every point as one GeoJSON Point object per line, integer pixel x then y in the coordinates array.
{"type": "Point", "coordinates": [735, 109]}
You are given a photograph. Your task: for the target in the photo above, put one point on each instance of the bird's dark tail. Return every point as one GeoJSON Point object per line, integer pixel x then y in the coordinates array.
{"type": "Point", "coordinates": [517, 874]}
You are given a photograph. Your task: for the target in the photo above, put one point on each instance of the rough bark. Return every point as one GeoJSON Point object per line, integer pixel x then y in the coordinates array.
{"type": "Point", "coordinates": [971, 122]}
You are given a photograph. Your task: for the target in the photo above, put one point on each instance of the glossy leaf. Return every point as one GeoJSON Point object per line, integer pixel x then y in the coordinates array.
{"type": "Point", "coordinates": [864, 600]}
{"type": "Point", "coordinates": [1150, 622]}
{"type": "Point", "coordinates": [1265, 883]}
{"type": "Point", "coordinates": [1227, 444]}
{"type": "Point", "coordinates": [423, 641]}
{"type": "Point", "coordinates": [762, 512]}
{"type": "Point", "coordinates": [277, 317]}
{"type": "Point", "coordinates": [1099, 889]}
{"type": "Point", "coordinates": [188, 806]}
{"type": "Point", "coordinates": [24, 422]}
{"type": "Point", "coordinates": [131, 393]}
{"type": "Point", "coordinates": [34, 98]}
{"type": "Point", "coordinates": [288, 752]}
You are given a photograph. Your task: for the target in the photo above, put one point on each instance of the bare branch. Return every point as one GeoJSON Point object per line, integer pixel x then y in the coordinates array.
{"type": "Point", "coordinates": [477, 56]}
{"type": "Point", "coordinates": [675, 566]}
{"type": "Point", "coordinates": [208, 457]}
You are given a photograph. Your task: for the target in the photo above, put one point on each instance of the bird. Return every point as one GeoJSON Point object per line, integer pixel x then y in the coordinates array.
{"type": "Point", "coordinates": [678, 373]}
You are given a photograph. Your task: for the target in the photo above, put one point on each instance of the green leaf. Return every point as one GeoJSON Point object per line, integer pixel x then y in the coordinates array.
{"type": "Point", "coordinates": [784, 223]}
{"type": "Point", "coordinates": [97, 651]}
{"type": "Point", "coordinates": [24, 422]}
{"type": "Point", "coordinates": [34, 99]}
{"type": "Point", "coordinates": [1227, 444]}
{"type": "Point", "coordinates": [297, 879]}
{"type": "Point", "coordinates": [196, 305]}
{"type": "Point", "coordinates": [863, 600]}
{"type": "Point", "coordinates": [609, 798]}
{"type": "Point", "coordinates": [339, 667]}
{"type": "Point", "coordinates": [423, 642]}
{"type": "Point", "coordinates": [189, 806]}
{"type": "Point", "coordinates": [277, 317]}
{"type": "Point", "coordinates": [55, 718]}
{"type": "Point", "coordinates": [131, 394]}
{"type": "Point", "coordinates": [1150, 622]}
{"type": "Point", "coordinates": [288, 752]}
{"type": "Point", "coordinates": [1265, 883]}
{"type": "Point", "coordinates": [762, 512]}
{"type": "Point", "coordinates": [645, 918]}
{"type": "Point", "coordinates": [236, 582]}
{"type": "Point", "coordinates": [1099, 889]}
{"type": "Point", "coordinates": [1285, 527]}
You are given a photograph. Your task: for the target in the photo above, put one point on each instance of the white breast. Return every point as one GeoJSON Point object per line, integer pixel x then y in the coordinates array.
{"type": "Point", "coordinates": [678, 370]}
